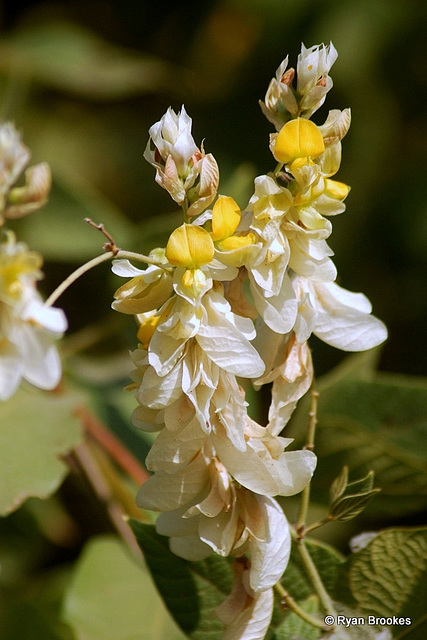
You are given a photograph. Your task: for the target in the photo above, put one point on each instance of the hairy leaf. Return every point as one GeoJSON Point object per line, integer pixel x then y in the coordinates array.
{"type": "Point", "coordinates": [377, 425]}
{"type": "Point", "coordinates": [387, 578]}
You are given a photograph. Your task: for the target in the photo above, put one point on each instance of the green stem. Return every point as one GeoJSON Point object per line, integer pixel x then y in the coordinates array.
{"type": "Point", "coordinates": [293, 606]}
{"type": "Point", "coordinates": [313, 574]}
{"type": "Point", "coordinates": [278, 169]}
{"type": "Point", "coordinates": [94, 263]}
{"type": "Point", "coordinates": [76, 275]}
{"type": "Point", "coordinates": [317, 524]}
{"type": "Point", "coordinates": [305, 496]}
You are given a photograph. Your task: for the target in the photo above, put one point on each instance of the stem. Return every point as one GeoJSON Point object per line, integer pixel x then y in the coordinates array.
{"type": "Point", "coordinates": [93, 263]}
{"type": "Point", "coordinates": [317, 524]}
{"type": "Point", "coordinates": [313, 574]}
{"type": "Point", "coordinates": [123, 457]}
{"type": "Point", "coordinates": [278, 169]}
{"type": "Point", "coordinates": [83, 458]}
{"type": "Point", "coordinates": [293, 606]}
{"type": "Point", "coordinates": [76, 275]}
{"type": "Point", "coordinates": [305, 496]}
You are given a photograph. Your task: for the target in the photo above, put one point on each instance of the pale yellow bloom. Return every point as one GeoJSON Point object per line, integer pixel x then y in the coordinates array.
{"type": "Point", "coordinates": [27, 326]}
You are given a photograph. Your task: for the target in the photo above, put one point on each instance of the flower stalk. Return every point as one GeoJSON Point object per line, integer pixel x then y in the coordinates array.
{"type": "Point", "coordinates": [294, 606]}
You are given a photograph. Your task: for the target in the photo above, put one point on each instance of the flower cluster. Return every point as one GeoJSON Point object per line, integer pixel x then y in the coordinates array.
{"type": "Point", "coordinates": [215, 470]}
{"type": "Point", "coordinates": [27, 326]}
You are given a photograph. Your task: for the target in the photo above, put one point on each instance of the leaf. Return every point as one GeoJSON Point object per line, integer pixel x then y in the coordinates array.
{"type": "Point", "coordinates": [111, 597]}
{"type": "Point", "coordinates": [191, 590]}
{"type": "Point", "coordinates": [36, 429]}
{"type": "Point", "coordinates": [389, 578]}
{"type": "Point", "coordinates": [348, 499]}
{"type": "Point", "coordinates": [68, 57]}
{"type": "Point", "coordinates": [378, 425]}
{"type": "Point", "coordinates": [295, 627]}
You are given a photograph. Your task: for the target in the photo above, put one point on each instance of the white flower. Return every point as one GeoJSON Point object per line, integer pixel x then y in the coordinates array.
{"type": "Point", "coordinates": [147, 290]}
{"type": "Point", "coordinates": [313, 81]}
{"type": "Point", "coordinates": [339, 317]}
{"type": "Point", "coordinates": [14, 156]}
{"type": "Point", "coordinates": [186, 172]}
{"type": "Point", "coordinates": [27, 326]}
{"type": "Point", "coordinates": [264, 467]}
{"type": "Point", "coordinates": [290, 367]}
{"type": "Point", "coordinates": [280, 99]}
{"type": "Point", "coordinates": [222, 335]}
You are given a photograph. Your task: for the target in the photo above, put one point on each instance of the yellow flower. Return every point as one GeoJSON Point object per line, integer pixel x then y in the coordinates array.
{"type": "Point", "coordinates": [298, 138]}
{"type": "Point", "coordinates": [225, 218]}
{"type": "Point", "coordinates": [189, 246]}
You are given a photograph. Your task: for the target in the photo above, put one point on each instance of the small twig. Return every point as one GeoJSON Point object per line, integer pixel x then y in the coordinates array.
{"type": "Point", "coordinates": [111, 244]}
{"type": "Point", "coordinates": [305, 496]}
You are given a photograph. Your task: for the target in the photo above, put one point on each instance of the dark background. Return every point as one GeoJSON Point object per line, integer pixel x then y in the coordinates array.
{"type": "Point", "coordinates": [90, 121]}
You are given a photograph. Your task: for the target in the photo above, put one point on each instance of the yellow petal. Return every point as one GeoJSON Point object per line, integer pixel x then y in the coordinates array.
{"type": "Point", "coordinates": [146, 330]}
{"type": "Point", "coordinates": [336, 189]}
{"type": "Point", "coordinates": [189, 246]}
{"type": "Point", "coordinates": [225, 218]}
{"type": "Point", "coordinates": [237, 242]}
{"type": "Point", "coordinates": [298, 138]}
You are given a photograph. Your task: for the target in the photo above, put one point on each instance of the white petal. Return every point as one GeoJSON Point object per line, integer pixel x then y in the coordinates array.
{"type": "Point", "coordinates": [278, 312]}
{"type": "Point", "coordinates": [125, 269]}
{"type": "Point", "coordinates": [49, 318]}
{"type": "Point", "coordinates": [222, 341]}
{"type": "Point", "coordinates": [269, 559]}
{"type": "Point", "coordinates": [41, 362]}
{"type": "Point", "coordinates": [352, 331]}
{"type": "Point", "coordinates": [261, 473]}
{"type": "Point", "coordinates": [10, 369]}
{"type": "Point", "coordinates": [166, 492]}
{"type": "Point", "coordinates": [252, 622]}
{"type": "Point", "coordinates": [343, 319]}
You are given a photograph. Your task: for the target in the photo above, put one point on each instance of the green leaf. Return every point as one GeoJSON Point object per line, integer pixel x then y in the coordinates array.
{"type": "Point", "coordinates": [36, 429]}
{"type": "Point", "coordinates": [293, 626]}
{"type": "Point", "coordinates": [191, 590]}
{"type": "Point", "coordinates": [111, 597]}
{"type": "Point", "coordinates": [378, 425]}
{"type": "Point", "coordinates": [388, 578]}
{"type": "Point", "coordinates": [348, 499]}
{"type": "Point", "coordinates": [68, 57]}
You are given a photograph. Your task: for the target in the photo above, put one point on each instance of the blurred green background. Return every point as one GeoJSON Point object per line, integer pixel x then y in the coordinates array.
{"type": "Point", "coordinates": [84, 81]}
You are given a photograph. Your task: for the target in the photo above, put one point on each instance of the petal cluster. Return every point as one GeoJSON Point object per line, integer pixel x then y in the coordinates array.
{"type": "Point", "coordinates": [216, 471]}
